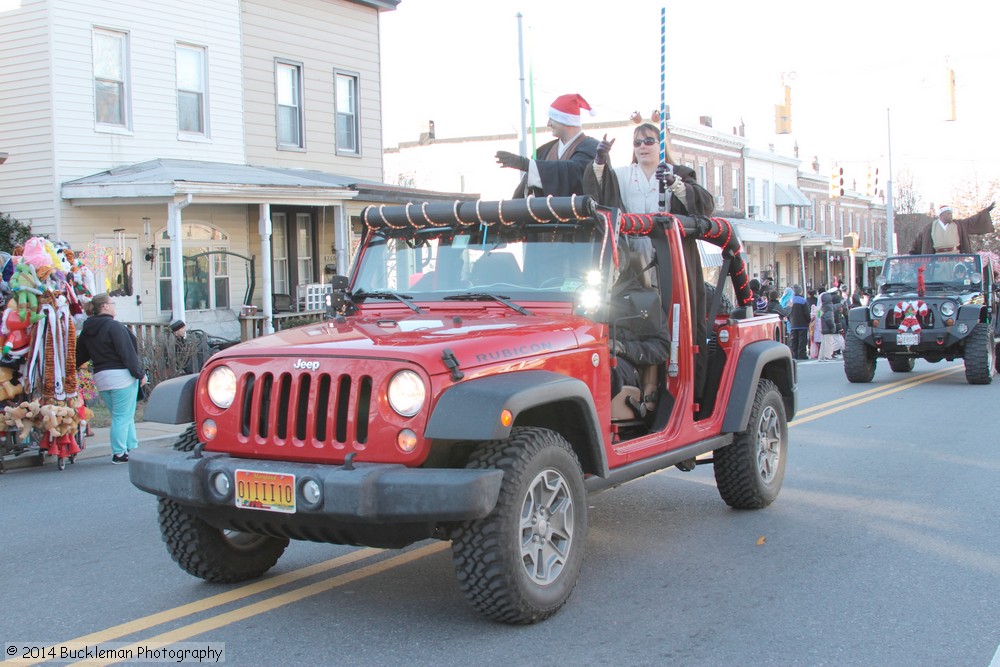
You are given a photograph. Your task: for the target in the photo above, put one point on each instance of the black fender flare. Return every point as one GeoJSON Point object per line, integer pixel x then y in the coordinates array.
{"type": "Point", "coordinates": [172, 401]}
{"type": "Point", "coordinates": [470, 410]}
{"type": "Point", "coordinates": [972, 314]}
{"type": "Point", "coordinates": [856, 315]}
{"type": "Point", "coordinates": [763, 358]}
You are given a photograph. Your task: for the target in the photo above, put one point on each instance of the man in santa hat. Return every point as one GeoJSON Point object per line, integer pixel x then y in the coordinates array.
{"type": "Point", "coordinates": [559, 165]}
{"type": "Point", "coordinates": [949, 235]}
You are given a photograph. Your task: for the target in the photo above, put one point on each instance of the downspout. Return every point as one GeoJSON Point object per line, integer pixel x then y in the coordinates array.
{"type": "Point", "coordinates": [266, 279]}
{"type": "Point", "coordinates": [176, 256]}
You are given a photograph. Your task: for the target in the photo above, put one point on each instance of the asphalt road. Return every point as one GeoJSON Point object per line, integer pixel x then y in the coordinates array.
{"type": "Point", "coordinates": [882, 549]}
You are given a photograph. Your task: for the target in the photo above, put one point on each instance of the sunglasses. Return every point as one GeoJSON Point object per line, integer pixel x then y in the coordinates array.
{"type": "Point", "coordinates": [647, 141]}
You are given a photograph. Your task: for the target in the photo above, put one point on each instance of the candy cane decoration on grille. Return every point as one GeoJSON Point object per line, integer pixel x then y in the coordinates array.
{"type": "Point", "coordinates": [907, 314]}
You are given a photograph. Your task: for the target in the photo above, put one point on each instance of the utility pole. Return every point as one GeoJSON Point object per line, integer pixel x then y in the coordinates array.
{"type": "Point", "coordinates": [523, 147]}
{"type": "Point", "coordinates": [890, 233]}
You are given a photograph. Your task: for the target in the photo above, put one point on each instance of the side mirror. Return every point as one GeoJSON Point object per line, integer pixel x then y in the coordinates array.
{"type": "Point", "coordinates": [336, 300]}
{"type": "Point", "coordinates": [643, 312]}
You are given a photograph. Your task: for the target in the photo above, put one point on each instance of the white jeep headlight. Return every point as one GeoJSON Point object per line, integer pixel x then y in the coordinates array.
{"type": "Point", "coordinates": [406, 393]}
{"type": "Point", "coordinates": [222, 386]}
{"type": "Point", "coordinates": [948, 308]}
{"type": "Point", "coordinates": [878, 310]}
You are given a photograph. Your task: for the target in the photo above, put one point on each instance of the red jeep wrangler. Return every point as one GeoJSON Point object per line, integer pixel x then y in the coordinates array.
{"type": "Point", "coordinates": [460, 390]}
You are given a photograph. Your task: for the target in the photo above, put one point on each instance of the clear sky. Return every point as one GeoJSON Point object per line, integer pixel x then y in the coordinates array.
{"type": "Point", "coordinates": [856, 69]}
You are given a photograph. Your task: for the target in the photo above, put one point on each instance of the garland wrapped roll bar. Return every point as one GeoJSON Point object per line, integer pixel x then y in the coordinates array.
{"type": "Point", "coordinates": [716, 231]}
{"type": "Point", "coordinates": [489, 213]}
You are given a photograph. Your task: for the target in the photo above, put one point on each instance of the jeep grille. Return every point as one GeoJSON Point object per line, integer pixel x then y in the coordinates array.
{"type": "Point", "coordinates": [312, 408]}
{"type": "Point", "coordinates": [926, 321]}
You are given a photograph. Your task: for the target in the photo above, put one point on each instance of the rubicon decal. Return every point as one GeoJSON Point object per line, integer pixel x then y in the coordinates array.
{"type": "Point", "coordinates": [306, 365]}
{"type": "Point", "coordinates": [511, 352]}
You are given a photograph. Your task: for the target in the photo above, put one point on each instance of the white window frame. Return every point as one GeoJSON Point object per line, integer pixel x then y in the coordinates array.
{"type": "Point", "coordinates": [291, 100]}
{"type": "Point", "coordinates": [304, 247]}
{"type": "Point", "coordinates": [765, 199]}
{"type": "Point", "coordinates": [347, 112]}
{"type": "Point", "coordinates": [279, 253]}
{"type": "Point", "coordinates": [197, 88]}
{"type": "Point", "coordinates": [197, 235]}
{"type": "Point", "coordinates": [736, 189]}
{"type": "Point", "coordinates": [120, 79]}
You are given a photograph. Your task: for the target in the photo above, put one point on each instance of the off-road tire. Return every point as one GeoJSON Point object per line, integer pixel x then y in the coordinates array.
{"type": "Point", "coordinates": [492, 555]}
{"type": "Point", "coordinates": [980, 355]}
{"type": "Point", "coordinates": [213, 554]}
{"type": "Point", "coordinates": [859, 359]}
{"type": "Point", "coordinates": [901, 364]}
{"type": "Point", "coordinates": [749, 472]}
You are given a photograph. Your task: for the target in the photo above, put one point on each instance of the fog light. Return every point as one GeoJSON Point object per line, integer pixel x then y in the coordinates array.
{"type": "Point", "coordinates": [221, 484]}
{"type": "Point", "coordinates": [311, 492]}
{"type": "Point", "coordinates": [861, 330]}
{"type": "Point", "coordinates": [963, 328]}
{"type": "Point", "coordinates": [209, 429]}
{"type": "Point", "coordinates": [406, 440]}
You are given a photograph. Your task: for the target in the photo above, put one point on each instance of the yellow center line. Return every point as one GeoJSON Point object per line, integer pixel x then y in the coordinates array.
{"type": "Point", "coordinates": [913, 379]}
{"type": "Point", "coordinates": [200, 627]}
{"type": "Point", "coordinates": [146, 622]}
{"type": "Point", "coordinates": [866, 396]}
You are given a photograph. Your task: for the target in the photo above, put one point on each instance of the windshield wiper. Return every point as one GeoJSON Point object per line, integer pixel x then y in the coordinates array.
{"type": "Point", "coordinates": [486, 296]}
{"type": "Point", "coordinates": [402, 298]}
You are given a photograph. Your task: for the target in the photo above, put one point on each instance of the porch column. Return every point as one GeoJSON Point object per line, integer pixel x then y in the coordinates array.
{"type": "Point", "coordinates": [341, 239]}
{"type": "Point", "coordinates": [176, 257]}
{"type": "Point", "coordinates": [266, 279]}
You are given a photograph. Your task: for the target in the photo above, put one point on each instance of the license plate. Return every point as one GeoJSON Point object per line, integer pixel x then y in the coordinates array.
{"type": "Point", "coordinates": [908, 339]}
{"type": "Point", "coordinates": [267, 491]}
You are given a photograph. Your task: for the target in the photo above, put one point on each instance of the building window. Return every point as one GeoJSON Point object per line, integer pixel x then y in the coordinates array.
{"type": "Point", "coordinates": [111, 89]}
{"type": "Point", "coordinates": [206, 274]}
{"type": "Point", "coordinates": [703, 175]}
{"type": "Point", "coordinates": [765, 199]}
{"type": "Point", "coordinates": [191, 93]}
{"type": "Point", "coordinates": [720, 194]}
{"type": "Point", "coordinates": [346, 103]}
{"type": "Point", "coordinates": [736, 189]}
{"type": "Point", "coordinates": [288, 81]}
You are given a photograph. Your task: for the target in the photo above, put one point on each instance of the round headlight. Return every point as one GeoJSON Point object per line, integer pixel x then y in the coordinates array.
{"type": "Point", "coordinates": [948, 308]}
{"type": "Point", "coordinates": [222, 386]}
{"type": "Point", "coordinates": [407, 393]}
{"type": "Point", "coordinates": [878, 310]}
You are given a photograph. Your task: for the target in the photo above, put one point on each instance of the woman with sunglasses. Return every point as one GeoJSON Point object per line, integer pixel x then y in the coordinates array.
{"type": "Point", "coordinates": [635, 188]}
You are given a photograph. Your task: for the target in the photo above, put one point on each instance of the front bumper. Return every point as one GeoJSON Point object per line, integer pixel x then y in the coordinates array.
{"type": "Point", "coordinates": [365, 493]}
{"type": "Point", "coordinates": [937, 340]}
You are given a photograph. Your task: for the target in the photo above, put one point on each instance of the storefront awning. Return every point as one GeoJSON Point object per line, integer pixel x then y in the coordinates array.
{"type": "Point", "coordinates": [789, 195]}
{"type": "Point", "coordinates": [756, 231]}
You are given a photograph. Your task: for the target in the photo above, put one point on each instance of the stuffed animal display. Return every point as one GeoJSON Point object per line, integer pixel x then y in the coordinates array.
{"type": "Point", "coordinates": [44, 286]}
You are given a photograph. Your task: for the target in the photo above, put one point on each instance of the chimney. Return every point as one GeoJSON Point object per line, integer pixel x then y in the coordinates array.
{"type": "Point", "coordinates": [705, 120]}
{"type": "Point", "coordinates": [430, 129]}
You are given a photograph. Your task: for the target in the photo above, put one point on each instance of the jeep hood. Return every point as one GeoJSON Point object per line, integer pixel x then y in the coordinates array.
{"type": "Point", "coordinates": [478, 338]}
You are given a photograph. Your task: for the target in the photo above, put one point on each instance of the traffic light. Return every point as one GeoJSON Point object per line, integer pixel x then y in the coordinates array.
{"type": "Point", "coordinates": [949, 82]}
{"type": "Point", "coordinates": [783, 114]}
{"type": "Point", "coordinates": [871, 185]}
{"type": "Point", "coordinates": [837, 182]}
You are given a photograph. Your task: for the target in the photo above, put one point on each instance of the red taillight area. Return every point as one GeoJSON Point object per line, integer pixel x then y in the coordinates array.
{"type": "Point", "coordinates": [313, 415]}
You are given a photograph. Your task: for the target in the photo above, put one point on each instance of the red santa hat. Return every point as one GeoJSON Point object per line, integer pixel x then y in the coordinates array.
{"type": "Point", "coordinates": [566, 109]}
{"type": "Point", "coordinates": [943, 208]}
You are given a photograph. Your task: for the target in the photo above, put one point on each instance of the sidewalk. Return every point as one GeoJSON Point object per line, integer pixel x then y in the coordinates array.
{"type": "Point", "coordinates": [151, 434]}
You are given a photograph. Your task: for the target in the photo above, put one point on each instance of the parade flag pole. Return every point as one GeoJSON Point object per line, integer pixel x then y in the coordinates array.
{"type": "Point", "coordinates": [663, 102]}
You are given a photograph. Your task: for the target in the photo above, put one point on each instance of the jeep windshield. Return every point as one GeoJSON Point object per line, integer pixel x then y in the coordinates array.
{"type": "Point", "coordinates": [951, 273]}
{"type": "Point", "coordinates": [536, 262]}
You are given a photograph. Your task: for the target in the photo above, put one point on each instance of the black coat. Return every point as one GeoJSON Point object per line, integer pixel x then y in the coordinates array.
{"type": "Point", "coordinates": [109, 345]}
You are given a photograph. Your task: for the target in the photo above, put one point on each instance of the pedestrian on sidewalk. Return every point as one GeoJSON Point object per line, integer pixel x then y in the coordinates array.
{"type": "Point", "coordinates": [118, 374]}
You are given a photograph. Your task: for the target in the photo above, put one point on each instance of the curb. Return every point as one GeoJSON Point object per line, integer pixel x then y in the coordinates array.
{"type": "Point", "coordinates": [94, 449]}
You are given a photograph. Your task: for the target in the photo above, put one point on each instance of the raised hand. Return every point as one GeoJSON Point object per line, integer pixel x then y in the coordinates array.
{"type": "Point", "coordinates": [603, 150]}
{"type": "Point", "coordinates": [512, 160]}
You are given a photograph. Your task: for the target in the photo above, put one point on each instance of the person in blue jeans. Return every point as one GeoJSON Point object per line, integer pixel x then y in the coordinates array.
{"type": "Point", "coordinates": [118, 374]}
